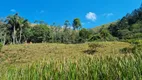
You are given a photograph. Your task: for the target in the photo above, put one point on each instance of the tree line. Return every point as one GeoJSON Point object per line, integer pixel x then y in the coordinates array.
{"type": "Point", "coordinates": [17, 30]}
{"type": "Point", "coordinates": [129, 27]}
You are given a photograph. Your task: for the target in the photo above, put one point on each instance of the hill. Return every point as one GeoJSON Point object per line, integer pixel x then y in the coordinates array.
{"type": "Point", "coordinates": [129, 27]}
{"type": "Point", "coordinates": [105, 26]}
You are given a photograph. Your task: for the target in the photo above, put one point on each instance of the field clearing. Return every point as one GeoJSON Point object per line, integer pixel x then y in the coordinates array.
{"type": "Point", "coordinates": [53, 61]}
{"type": "Point", "coordinates": [29, 53]}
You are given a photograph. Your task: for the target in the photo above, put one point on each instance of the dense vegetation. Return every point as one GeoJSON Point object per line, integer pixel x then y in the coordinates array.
{"type": "Point", "coordinates": [92, 60]}
{"type": "Point", "coordinates": [129, 27]}
{"type": "Point", "coordinates": [15, 29]}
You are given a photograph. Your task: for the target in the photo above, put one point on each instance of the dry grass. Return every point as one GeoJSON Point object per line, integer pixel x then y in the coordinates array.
{"type": "Point", "coordinates": [48, 61]}
{"type": "Point", "coordinates": [28, 53]}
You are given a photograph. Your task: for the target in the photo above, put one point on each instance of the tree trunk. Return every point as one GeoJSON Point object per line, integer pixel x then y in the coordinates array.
{"type": "Point", "coordinates": [16, 38]}
{"type": "Point", "coordinates": [4, 40]}
{"type": "Point", "coordinates": [20, 34]}
{"type": "Point", "coordinates": [14, 35]}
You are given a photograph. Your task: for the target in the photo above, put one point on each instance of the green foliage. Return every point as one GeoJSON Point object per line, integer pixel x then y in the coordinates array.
{"type": "Point", "coordinates": [137, 46]}
{"type": "Point", "coordinates": [15, 29]}
{"type": "Point", "coordinates": [16, 26]}
{"type": "Point", "coordinates": [103, 35]}
{"type": "Point", "coordinates": [129, 27]}
{"type": "Point", "coordinates": [76, 23]}
{"type": "Point", "coordinates": [84, 34]}
{"type": "Point", "coordinates": [136, 26]}
{"type": "Point", "coordinates": [27, 33]}
{"type": "Point", "coordinates": [74, 37]}
{"type": "Point", "coordinates": [40, 33]}
{"type": "Point", "coordinates": [66, 25]}
{"type": "Point", "coordinates": [135, 41]}
{"type": "Point", "coordinates": [3, 32]}
{"type": "Point", "coordinates": [1, 45]}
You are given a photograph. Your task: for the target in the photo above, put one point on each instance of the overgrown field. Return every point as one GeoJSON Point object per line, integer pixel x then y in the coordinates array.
{"type": "Point", "coordinates": [50, 61]}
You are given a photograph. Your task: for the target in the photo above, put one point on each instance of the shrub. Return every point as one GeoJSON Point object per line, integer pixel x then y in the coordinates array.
{"type": "Point", "coordinates": [95, 37]}
{"type": "Point", "coordinates": [1, 46]}
{"type": "Point", "coordinates": [127, 50]}
{"type": "Point", "coordinates": [93, 46]}
{"type": "Point", "coordinates": [135, 42]}
{"type": "Point", "coordinates": [137, 48]}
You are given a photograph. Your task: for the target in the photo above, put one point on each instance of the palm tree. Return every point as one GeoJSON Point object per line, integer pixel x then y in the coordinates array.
{"type": "Point", "coordinates": [16, 23]}
{"type": "Point", "coordinates": [21, 22]}
{"type": "Point", "coordinates": [12, 21]}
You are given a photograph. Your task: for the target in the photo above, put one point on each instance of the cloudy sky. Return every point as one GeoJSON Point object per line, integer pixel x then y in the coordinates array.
{"type": "Point", "coordinates": [91, 12]}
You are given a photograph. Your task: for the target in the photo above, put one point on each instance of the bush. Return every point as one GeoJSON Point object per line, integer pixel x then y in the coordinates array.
{"type": "Point", "coordinates": [93, 46]}
{"type": "Point", "coordinates": [1, 46]}
{"type": "Point", "coordinates": [137, 46]}
{"type": "Point", "coordinates": [135, 42]}
{"type": "Point", "coordinates": [95, 37]}
{"type": "Point", "coordinates": [127, 50]}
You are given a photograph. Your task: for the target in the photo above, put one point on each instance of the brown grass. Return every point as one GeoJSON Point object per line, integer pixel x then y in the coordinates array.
{"type": "Point", "coordinates": [29, 53]}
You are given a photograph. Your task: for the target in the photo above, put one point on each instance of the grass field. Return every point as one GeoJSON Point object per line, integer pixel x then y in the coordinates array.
{"type": "Point", "coordinates": [52, 61]}
{"type": "Point", "coordinates": [28, 53]}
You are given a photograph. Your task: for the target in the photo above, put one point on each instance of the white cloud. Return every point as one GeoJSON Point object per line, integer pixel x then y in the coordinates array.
{"type": "Point", "coordinates": [13, 10]}
{"type": "Point", "coordinates": [83, 23]}
{"type": "Point", "coordinates": [42, 11]}
{"type": "Point", "coordinates": [91, 16]}
{"type": "Point", "coordinates": [108, 14]}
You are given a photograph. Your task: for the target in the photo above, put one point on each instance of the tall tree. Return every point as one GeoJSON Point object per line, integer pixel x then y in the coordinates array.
{"type": "Point", "coordinates": [66, 25]}
{"type": "Point", "coordinates": [84, 35]}
{"type": "Point", "coordinates": [3, 32]}
{"type": "Point", "coordinates": [22, 23]}
{"type": "Point", "coordinates": [16, 24]}
{"type": "Point", "coordinates": [12, 21]}
{"type": "Point", "coordinates": [76, 24]}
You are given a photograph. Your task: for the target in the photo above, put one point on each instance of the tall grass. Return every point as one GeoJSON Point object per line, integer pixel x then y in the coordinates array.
{"type": "Point", "coordinates": [86, 68]}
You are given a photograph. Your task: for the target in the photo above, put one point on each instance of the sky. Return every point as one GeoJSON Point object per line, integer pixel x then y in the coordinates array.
{"type": "Point", "coordinates": [91, 12]}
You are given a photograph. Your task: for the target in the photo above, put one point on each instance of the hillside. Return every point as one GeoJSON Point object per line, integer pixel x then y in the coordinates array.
{"type": "Point", "coordinates": [45, 61]}
{"type": "Point", "coordinates": [105, 26]}
{"type": "Point", "coordinates": [129, 27]}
